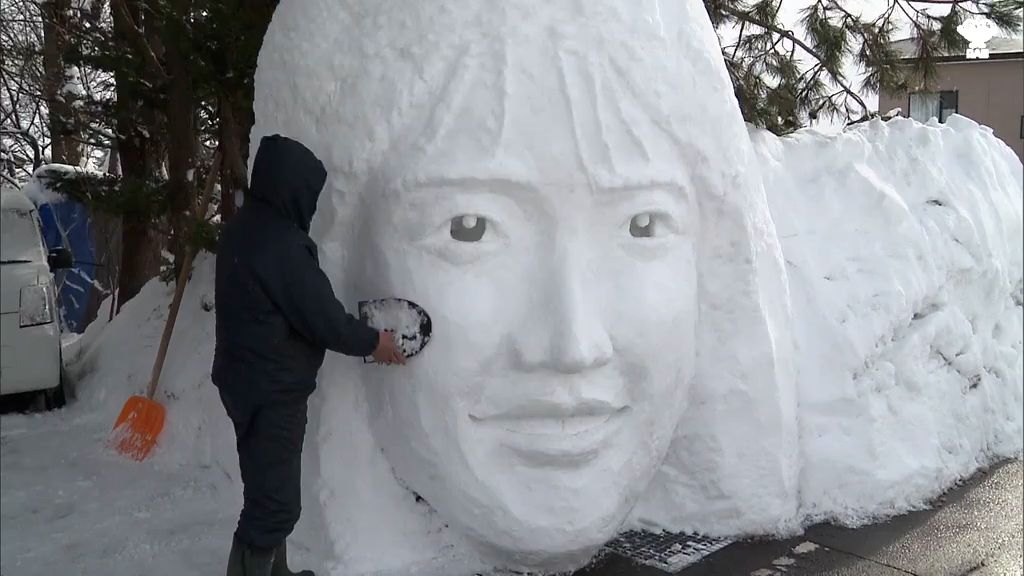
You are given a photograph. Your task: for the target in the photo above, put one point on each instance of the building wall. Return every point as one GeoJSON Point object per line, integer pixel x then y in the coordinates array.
{"type": "Point", "coordinates": [991, 92]}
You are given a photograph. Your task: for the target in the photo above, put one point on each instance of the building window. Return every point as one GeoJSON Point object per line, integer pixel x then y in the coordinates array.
{"type": "Point", "coordinates": [927, 105]}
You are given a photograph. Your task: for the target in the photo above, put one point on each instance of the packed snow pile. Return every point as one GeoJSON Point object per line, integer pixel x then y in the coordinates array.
{"type": "Point", "coordinates": [903, 248]}
{"type": "Point", "coordinates": [643, 315]}
{"type": "Point", "coordinates": [902, 244]}
{"type": "Point", "coordinates": [409, 323]}
{"type": "Point", "coordinates": [111, 362]}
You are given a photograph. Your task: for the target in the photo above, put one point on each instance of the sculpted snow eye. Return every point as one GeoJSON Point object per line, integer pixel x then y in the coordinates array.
{"type": "Point", "coordinates": [468, 228]}
{"type": "Point", "coordinates": [459, 237]}
{"type": "Point", "coordinates": [641, 226]}
{"type": "Point", "coordinates": [650, 225]}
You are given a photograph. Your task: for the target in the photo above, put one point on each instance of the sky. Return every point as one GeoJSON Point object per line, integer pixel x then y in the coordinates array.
{"type": "Point", "coordinates": [790, 14]}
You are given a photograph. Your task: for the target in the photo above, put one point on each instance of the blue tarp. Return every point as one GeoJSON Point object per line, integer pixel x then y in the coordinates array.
{"type": "Point", "coordinates": [67, 225]}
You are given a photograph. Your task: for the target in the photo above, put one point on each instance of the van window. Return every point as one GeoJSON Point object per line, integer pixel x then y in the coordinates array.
{"type": "Point", "coordinates": [20, 240]}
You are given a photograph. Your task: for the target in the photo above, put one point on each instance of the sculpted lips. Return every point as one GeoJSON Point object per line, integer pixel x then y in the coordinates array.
{"type": "Point", "coordinates": [553, 433]}
{"type": "Point", "coordinates": [543, 417]}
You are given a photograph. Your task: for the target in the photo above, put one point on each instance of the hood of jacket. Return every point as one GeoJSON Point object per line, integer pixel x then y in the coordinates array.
{"type": "Point", "coordinates": [288, 178]}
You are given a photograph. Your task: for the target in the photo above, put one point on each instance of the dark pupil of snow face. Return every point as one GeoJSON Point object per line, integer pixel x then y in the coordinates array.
{"type": "Point", "coordinates": [641, 226]}
{"type": "Point", "coordinates": [468, 228]}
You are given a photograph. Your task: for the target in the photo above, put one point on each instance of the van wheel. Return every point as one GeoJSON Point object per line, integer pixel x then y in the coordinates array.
{"type": "Point", "coordinates": [55, 397]}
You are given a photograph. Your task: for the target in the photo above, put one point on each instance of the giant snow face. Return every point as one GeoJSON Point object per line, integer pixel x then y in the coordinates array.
{"type": "Point", "coordinates": [534, 174]}
{"type": "Point", "coordinates": [563, 291]}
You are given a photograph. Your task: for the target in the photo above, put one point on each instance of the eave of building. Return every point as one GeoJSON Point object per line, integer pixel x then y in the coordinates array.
{"type": "Point", "coordinates": [1000, 56]}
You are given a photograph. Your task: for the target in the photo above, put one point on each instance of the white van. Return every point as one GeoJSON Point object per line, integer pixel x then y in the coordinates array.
{"type": "Point", "coordinates": [29, 330]}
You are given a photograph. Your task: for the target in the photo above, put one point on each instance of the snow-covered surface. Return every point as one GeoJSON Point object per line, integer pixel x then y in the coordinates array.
{"type": "Point", "coordinates": [73, 88]}
{"type": "Point", "coordinates": [902, 244]}
{"type": "Point", "coordinates": [69, 506]}
{"type": "Point", "coordinates": [829, 326]}
{"type": "Point", "coordinates": [113, 362]}
{"type": "Point", "coordinates": [38, 190]}
{"type": "Point", "coordinates": [20, 239]}
{"type": "Point", "coordinates": [400, 317]}
{"type": "Point", "coordinates": [903, 247]}
{"type": "Point", "coordinates": [567, 343]}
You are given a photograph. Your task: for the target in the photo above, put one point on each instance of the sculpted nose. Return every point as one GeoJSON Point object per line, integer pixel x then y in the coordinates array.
{"type": "Point", "coordinates": [565, 332]}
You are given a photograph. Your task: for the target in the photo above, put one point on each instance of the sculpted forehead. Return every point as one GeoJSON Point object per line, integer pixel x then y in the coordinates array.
{"type": "Point", "coordinates": [373, 84]}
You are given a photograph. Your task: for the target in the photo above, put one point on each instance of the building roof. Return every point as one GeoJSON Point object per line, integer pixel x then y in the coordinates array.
{"type": "Point", "coordinates": [999, 48]}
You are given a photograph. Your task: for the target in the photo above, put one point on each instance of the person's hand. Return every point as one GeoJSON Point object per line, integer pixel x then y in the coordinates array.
{"type": "Point", "coordinates": [387, 351]}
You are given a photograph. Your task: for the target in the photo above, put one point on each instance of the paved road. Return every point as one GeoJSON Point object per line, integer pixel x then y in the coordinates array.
{"type": "Point", "coordinates": [976, 531]}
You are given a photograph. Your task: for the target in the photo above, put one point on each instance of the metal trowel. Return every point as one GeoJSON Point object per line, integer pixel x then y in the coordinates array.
{"type": "Point", "coordinates": [407, 320]}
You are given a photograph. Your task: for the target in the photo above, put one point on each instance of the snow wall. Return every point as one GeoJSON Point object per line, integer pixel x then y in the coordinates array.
{"type": "Point", "coordinates": [903, 252]}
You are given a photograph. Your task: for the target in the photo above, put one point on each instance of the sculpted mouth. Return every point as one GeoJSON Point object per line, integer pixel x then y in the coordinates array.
{"type": "Point", "coordinates": [546, 426]}
{"type": "Point", "coordinates": [552, 420]}
{"type": "Point", "coordinates": [545, 408]}
{"type": "Point", "coordinates": [556, 436]}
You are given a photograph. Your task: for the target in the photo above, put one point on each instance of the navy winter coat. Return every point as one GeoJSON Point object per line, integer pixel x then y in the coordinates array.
{"type": "Point", "coordinates": [276, 311]}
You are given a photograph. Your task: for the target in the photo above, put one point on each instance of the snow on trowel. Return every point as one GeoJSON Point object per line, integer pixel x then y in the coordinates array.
{"type": "Point", "coordinates": [407, 320]}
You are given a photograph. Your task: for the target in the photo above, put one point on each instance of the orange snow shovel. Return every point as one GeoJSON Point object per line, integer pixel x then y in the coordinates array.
{"type": "Point", "coordinates": [138, 426]}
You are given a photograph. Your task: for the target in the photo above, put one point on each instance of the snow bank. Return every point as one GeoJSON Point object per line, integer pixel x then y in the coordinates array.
{"type": "Point", "coordinates": [903, 249]}
{"type": "Point", "coordinates": [109, 364]}
{"type": "Point", "coordinates": [903, 245]}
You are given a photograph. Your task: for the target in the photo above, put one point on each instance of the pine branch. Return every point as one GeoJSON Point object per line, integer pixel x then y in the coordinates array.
{"type": "Point", "coordinates": [789, 35]}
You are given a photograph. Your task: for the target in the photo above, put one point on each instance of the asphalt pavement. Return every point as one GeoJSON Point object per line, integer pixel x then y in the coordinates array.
{"type": "Point", "coordinates": [972, 530]}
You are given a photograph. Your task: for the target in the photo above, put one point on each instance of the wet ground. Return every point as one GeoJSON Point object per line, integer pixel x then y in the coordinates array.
{"type": "Point", "coordinates": [975, 529]}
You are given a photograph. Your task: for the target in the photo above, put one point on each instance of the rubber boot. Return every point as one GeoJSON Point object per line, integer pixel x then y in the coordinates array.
{"type": "Point", "coordinates": [246, 561]}
{"type": "Point", "coordinates": [281, 563]}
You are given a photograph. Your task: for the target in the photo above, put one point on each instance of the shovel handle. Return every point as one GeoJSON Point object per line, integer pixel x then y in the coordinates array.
{"type": "Point", "coordinates": [179, 287]}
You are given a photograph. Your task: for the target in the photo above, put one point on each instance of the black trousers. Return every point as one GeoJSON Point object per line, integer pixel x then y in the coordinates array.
{"type": "Point", "coordinates": [269, 437]}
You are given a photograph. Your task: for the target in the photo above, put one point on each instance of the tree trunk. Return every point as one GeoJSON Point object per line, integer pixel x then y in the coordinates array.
{"type": "Point", "coordinates": [234, 140]}
{"type": "Point", "coordinates": [181, 143]}
{"type": "Point", "coordinates": [63, 146]}
{"type": "Point", "coordinates": [138, 159]}
{"type": "Point", "coordinates": [235, 103]}
{"type": "Point", "coordinates": [114, 160]}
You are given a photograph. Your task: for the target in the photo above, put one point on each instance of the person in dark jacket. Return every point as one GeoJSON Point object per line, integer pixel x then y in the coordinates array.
{"type": "Point", "coordinates": [276, 317]}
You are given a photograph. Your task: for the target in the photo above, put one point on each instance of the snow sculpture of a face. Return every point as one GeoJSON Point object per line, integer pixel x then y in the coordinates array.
{"type": "Point", "coordinates": [559, 269]}
{"type": "Point", "coordinates": [552, 240]}
{"type": "Point", "coordinates": [534, 174]}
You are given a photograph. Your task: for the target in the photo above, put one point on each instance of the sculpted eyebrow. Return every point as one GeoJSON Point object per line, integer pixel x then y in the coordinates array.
{"type": "Point", "coordinates": [513, 183]}
{"type": "Point", "coordinates": [429, 188]}
{"type": "Point", "coordinates": [470, 182]}
{"type": "Point", "coordinates": [663, 186]}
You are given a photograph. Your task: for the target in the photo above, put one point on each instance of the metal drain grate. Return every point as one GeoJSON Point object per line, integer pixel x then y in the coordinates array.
{"type": "Point", "coordinates": [667, 551]}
